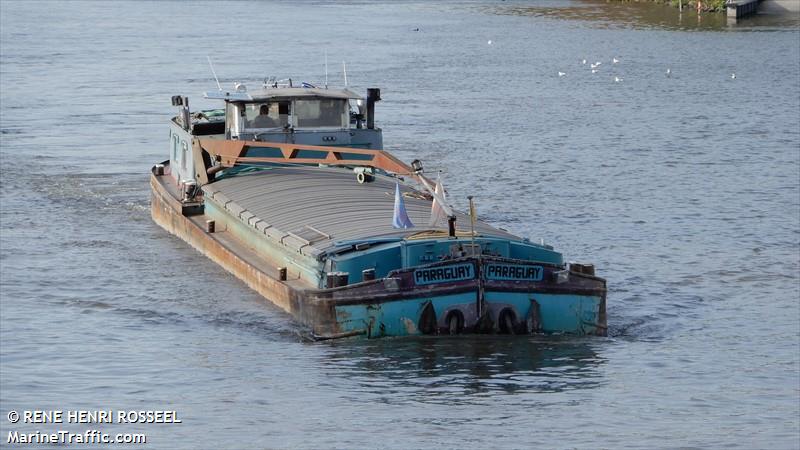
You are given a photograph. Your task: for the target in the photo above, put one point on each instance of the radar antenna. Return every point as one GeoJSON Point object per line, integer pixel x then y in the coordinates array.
{"type": "Point", "coordinates": [213, 72]}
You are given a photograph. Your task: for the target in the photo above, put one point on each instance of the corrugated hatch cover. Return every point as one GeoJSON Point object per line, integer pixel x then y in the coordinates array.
{"type": "Point", "coordinates": [318, 206]}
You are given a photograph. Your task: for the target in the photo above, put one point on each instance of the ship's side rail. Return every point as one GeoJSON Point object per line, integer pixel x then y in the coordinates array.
{"type": "Point", "coordinates": [229, 153]}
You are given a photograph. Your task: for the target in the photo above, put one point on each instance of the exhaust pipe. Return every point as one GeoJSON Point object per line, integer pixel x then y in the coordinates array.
{"type": "Point", "coordinates": [373, 95]}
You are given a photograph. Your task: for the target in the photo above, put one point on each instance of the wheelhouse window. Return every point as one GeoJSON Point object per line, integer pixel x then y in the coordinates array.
{"type": "Point", "coordinates": [232, 126]}
{"type": "Point", "coordinates": [184, 156]}
{"type": "Point", "coordinates": [325, 113]}
{"type": "Point", "coordinates": [266, 115]}
{"type": "Point", "coordinates": [175, 142]}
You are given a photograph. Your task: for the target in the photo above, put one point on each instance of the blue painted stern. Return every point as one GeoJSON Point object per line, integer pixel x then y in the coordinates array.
{"type": "Point", "coordinates": [473, 295]}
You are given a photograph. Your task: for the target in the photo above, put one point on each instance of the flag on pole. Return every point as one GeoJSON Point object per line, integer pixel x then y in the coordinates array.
{"type": "Point", "coordinates": [437, 212]}
{"type": "Point", "coordinates": [400, 218]}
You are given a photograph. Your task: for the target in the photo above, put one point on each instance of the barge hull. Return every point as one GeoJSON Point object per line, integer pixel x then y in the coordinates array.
{"type": "Point", "coordinates": [530, 312]}
{"type": "Point", "coordinates": [394, 305]}
{"type": "Point", "coordinates": [167, 212]}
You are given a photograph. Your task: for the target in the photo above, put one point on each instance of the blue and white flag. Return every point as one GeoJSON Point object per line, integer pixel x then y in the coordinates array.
{"type": "Point", "coordinates": [400, 219]}
{"type": "Point", "coordinates": [308, 85]}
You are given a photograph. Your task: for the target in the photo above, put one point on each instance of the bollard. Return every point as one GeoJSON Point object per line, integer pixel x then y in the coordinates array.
{"type": "Point", "coordinates": [210, 226]}
{"type": "Point", "coordinates": [337, 279]}
{"type": "Point", "coordinates": [587, 269]}
{"type": "Point", "coordinates": [367, 274]}
{"type": "Point", "coordinates": [575, 267]}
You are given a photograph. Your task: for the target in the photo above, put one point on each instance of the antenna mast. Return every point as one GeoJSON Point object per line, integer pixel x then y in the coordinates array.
{"type": "Point", "coordinates": [344, 68]}
{"type": "Point", "coordinates": [326, 69]}
{"type": "Point", "coordinates": [213, 72]}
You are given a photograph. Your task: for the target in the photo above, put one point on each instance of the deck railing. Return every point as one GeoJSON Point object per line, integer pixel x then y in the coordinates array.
{"type": "Point", "coordinates": [229, 153]}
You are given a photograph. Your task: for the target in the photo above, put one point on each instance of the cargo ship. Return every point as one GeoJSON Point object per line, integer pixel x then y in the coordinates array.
{"type": "Point", "coordinates": [288, 188]}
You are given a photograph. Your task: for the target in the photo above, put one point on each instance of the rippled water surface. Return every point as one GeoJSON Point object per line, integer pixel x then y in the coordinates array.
{"type": "Point", "coordinates": [684, 190]}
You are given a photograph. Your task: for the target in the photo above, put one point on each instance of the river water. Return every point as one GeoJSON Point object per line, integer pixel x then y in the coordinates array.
{"type": "Point", "coordinates": [684, 190]}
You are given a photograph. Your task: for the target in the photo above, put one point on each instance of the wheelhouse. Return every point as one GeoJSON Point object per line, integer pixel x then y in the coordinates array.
{"type": "Point", "coordinates": [301, 115]}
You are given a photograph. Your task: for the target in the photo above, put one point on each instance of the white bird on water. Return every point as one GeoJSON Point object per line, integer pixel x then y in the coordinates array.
{"type": "Point", "coordinates": [593, 66]}
{"type": "Point", "coordinates": [733, 76]}
{"type": "Point", "coordinates": [617, 79]}
{"type": "Point", "coordinates": [595, 71]}
{"type": "Point", "coordinates": [583, 62]}
{"type": "Point", "coordinates": [669, 72]}
{"type": "Point", "coordinates": [614, 60]}
{"type": "Point", "coordinates": [561, 74]}
{"type": "Point", "coordinates": [490, 42]}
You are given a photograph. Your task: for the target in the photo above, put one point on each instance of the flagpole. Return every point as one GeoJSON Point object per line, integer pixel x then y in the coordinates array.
{"type": "Point", "coordinates": [472, 220]}
{"type": "Point", "coordinates": [479, 271]}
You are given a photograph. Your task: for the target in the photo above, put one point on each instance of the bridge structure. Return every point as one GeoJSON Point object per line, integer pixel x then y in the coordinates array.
{"type": "Point", "coordinates": [737, 9]}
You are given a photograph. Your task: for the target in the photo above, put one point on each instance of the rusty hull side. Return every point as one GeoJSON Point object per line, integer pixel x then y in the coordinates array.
{"type": "Point", "coordinates": [166, 211]}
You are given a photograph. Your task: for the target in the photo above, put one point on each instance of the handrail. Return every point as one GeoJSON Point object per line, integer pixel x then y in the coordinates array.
{"type": "Point", "coordinates": [229, 153]}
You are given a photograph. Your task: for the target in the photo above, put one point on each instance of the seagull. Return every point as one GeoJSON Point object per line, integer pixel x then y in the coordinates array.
{"type": "Point", "coordinates": [597, 63]}
{"type": "Point", "coordinates": [733, 76]}
{"type": "Point", "coordinates": [561, 74]}
{"type": "Point", "coordinates": [490, 42]}
{"type": "Point", "coordinates": [595, 71]}
{"type": "Point", "coordinates": [669, 72]}
{"type": "Point", "coordinates": [617, 79]}
{"type": "Point", "coordinates": [614, 60]}
{"type": "Point", "coordinates": [583, 62]}
{"type": "Point", "coordinates": [593, 65]}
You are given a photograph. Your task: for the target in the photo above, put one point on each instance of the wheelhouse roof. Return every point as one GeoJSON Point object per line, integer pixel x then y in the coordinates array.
{"type": "Point", "coordinates": [283, 93]}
